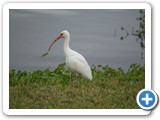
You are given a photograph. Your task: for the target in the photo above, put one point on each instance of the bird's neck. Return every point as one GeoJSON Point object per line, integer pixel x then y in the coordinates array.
{"type": "Point", "coordinates": [67, 49]}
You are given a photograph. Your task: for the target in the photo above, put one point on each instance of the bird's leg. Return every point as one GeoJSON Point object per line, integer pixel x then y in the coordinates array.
{"type": "Point", "coordinates": [70, 78]}
{"type": "Point", "coordinates": [76, 76]}
{"type": "Point", "coordinates": [77, 81]}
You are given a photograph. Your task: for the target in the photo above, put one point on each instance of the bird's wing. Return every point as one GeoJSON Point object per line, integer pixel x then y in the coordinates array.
{"type": "Point", "coordinates": [81, 59]}
{"type": "Point", "coordinates": [81, 66]}
{"type": "Point", "coordinates": [77, 61]}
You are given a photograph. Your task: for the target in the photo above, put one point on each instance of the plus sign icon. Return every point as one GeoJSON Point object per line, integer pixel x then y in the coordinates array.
{"type": "Point", "coordinates": [147, 99]}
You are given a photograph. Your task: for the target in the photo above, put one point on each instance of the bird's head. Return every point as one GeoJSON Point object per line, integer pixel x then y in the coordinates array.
{"type": "Point", "coordinates": [63, 34]}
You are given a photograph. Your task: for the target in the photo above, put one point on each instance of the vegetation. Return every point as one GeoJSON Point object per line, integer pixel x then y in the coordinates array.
{"type": "Point", "coordinates": [139, 33]}
{"type": "Point", "coordinates": [45, 89]}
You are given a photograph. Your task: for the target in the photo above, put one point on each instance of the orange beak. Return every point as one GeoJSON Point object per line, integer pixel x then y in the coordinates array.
{"type": "Point", "coordinates": [60, 36]}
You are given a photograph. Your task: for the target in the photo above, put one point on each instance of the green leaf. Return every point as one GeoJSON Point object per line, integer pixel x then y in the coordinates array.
{"type": "Point", "coordinates": [142, 25]}
{"type": "Point", "coordinates": [44, 54]}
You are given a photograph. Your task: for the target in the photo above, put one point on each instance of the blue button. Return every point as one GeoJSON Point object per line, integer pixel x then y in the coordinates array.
{"type": "Point", "coordinates": [147, 99]}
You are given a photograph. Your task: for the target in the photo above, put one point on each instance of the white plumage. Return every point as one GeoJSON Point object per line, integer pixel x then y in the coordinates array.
{"type": "Point", "coordinates": [74, 61]}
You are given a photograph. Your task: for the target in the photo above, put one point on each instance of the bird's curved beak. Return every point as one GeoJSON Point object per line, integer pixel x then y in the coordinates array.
{"type": "Point", "coordinates": [60, 36]}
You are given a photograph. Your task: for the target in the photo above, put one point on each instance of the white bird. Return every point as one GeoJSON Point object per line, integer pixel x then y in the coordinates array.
{"type": "Point", "coordinates": [74, 61]}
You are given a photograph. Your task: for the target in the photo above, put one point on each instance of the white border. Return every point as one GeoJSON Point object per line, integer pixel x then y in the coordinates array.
{"type": "Point", "coordinates": [8, 6]}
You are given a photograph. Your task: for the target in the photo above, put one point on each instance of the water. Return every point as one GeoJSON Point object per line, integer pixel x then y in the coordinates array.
{"type": "Point", "coordinates": [94, 33]}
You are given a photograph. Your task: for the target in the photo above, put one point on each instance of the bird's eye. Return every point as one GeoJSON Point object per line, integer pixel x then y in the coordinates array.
{"type": "Point", "coordinates": [61, 33]}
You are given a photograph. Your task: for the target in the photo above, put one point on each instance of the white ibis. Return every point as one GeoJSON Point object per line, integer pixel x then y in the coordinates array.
{"type": "Point", "coordinates": [74, 61]}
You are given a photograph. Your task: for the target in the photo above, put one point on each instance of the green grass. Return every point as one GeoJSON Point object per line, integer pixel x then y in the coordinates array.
{"type": "Point", "coordinates": [110, 89]}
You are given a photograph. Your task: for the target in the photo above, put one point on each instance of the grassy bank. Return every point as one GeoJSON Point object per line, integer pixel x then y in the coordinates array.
{"type": "Point", "coordinates": [110, 89]}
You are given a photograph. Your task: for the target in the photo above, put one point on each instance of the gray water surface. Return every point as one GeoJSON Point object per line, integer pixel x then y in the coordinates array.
{"type": "Point", "coordinates": [94, 33]}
